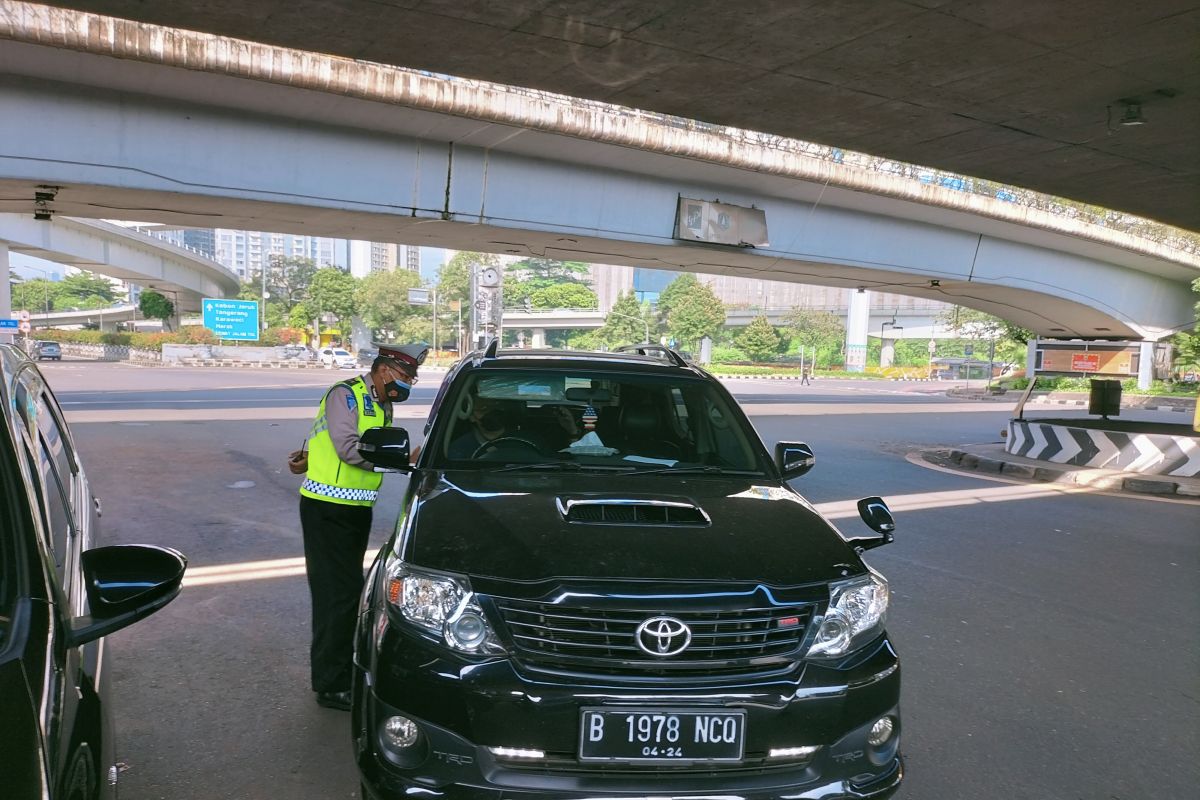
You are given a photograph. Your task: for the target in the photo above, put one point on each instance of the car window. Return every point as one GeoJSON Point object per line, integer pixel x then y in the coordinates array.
{"type": "Point", "coordinates": [591, 419]}
{"type": "Point", "coordinates": [53, 464]}
{"type": "Point", "coordinates": [340, 353]}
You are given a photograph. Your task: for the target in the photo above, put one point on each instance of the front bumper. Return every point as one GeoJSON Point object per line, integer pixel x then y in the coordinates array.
{"type": "Point", "coordinates": [464, 709]}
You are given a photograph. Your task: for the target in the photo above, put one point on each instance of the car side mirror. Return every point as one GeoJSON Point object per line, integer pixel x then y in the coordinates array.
{"type": "Point", "coordinates": [794, 459]}
{"type": "Point", "coordinates": [125, 583]}
{"type": "Point", "coordinates": [875, 512]}
{"type": "Point", "coordinates": [386, 447]}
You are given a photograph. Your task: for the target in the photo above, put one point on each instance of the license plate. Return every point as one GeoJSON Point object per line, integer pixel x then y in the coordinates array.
{"type": "Point", "coordinates": [661, 734]}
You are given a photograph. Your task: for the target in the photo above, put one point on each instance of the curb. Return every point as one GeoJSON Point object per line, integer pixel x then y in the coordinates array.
{"type": "Point", "coordinates": [1106, 479]}
{"type": "Point", "coordinates": [1045, 401]}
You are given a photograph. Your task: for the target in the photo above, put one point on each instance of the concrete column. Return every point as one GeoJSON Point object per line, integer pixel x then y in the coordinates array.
{"type": "Point", "coordinates": [1031, 357]}
{"type": "Point", "coordinates": [539, 338]}
{"type": "Point", "coordinates": [5, 293]}
{"type": "Point", "coordinates": [1145, 364]}
{"type": "Point", "coordinates": [857, 318]}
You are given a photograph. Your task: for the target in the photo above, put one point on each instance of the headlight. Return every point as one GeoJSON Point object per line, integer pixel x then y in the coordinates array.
{"type": "Point", "coordinates": [442, 605]}
{"type": "Point", "coordinates": [857, 610]}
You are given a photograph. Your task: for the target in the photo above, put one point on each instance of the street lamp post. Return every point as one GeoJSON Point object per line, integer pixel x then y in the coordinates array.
{"type": "Point", "coordinates": [645, 324]}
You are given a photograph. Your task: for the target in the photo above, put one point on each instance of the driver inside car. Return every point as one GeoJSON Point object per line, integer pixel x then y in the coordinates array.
{"type": "Point", "coordinates": [486, 422]}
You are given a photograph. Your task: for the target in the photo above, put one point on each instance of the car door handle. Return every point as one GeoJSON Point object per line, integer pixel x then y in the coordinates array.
{"type": "Point", "coordinates": [96, 503]}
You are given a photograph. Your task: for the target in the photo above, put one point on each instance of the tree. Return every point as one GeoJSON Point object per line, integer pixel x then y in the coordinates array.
{"type": "Point", "coordinates": [382, 299]}
{"type": "Point", "coordinates": [759, 340]}
{"type": "Point", "coordinates": [155, 306]}
{"type": "Point", "coordinates": [85, 290]}
{"type": "Point", "coordinates": [332, 292]}
{"type": "Point", "coordinates": [36, 296]}
{"type": "Point", "coordinates": [454, 278]}
{"type": "Point", "coordinates": [819, 332]}
{"type": "Point", "coordinates": [540, 273]}
{"type": "Point", "coordinates": [693, 311]}
{"type": "Point", "coordinates": [289, 279]}
{"type": "Point", "coordinates": [563, 295]}
{"type": "Point", "coordinates": [978, 326]}
{"type": "Point", "coordinates": [627, 323]}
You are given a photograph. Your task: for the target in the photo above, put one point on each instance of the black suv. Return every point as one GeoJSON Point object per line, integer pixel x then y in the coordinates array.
{"type": "Point", "coordinates": [601, 585]}
{"type": "Point", "coordinates": [59, 595]}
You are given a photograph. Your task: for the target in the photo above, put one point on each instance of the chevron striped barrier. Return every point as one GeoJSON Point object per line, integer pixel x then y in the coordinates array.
{"type": "Point", "coordinates": [1148, 454]}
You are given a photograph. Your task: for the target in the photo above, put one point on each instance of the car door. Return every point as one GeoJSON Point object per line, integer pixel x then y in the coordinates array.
{"type": "Point", "coordinates": [24, 624]}
{"type": "Point", "coordinates": [64, 524]}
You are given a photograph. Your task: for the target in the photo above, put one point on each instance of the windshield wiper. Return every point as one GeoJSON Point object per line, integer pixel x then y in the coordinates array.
{"type": "Point", "coordinates": [563, 466]}
{"type": "Point", "coordinates": [698, 469]}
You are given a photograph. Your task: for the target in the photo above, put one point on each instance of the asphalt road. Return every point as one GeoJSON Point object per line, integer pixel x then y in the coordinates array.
{"type": "Point", "coordinates": [1050, 640]}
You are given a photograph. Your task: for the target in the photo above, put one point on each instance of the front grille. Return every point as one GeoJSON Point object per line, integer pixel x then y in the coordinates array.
{"type": "Point", "coordinates": [601, 640]}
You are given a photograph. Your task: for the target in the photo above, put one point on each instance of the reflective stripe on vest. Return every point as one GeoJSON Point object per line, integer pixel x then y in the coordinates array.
{"type": "Point", "coordinates": [329, 478]}
{"type": "Point", "coordinates": [339, 493]}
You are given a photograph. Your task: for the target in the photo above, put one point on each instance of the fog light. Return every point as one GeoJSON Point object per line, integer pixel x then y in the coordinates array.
{"type": "Point", "coordinates": [469, 630]}
{"type": "Point", "coordinates": [792, 752]}
{"type": "Point", "coordinates": [400, 733]}
{"type": "Point", "coordinates": [881, 731]}
{"type": "Point", "coordinates": [517, 752]}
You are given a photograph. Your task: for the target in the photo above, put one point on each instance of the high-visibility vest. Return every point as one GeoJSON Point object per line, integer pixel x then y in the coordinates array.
{"type": "Point", "coordinates": [331, 479]}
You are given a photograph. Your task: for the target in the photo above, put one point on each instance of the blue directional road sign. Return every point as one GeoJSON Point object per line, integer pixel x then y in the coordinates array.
{"type": "Point", "coordinates": [231, 319]}
{"type": "Point", "coordinates": [9, 324]}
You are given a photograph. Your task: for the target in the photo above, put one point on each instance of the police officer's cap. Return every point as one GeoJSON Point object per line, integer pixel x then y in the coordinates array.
{"type": "Point", "coordinates": [407, 356]}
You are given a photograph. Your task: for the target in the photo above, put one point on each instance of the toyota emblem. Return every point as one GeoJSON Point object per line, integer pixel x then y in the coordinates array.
{"type": "Point", "coordinates": [663, 636]}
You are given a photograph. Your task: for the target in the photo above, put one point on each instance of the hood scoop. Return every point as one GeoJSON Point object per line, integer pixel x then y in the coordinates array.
{"type": "Point", "coordinates": [614, 511]}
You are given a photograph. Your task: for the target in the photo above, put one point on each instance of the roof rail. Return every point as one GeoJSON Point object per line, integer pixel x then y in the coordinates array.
{"type": "Point", "coordinates": [653, 349]}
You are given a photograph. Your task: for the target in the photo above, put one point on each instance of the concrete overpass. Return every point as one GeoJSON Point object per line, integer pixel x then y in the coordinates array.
{"type": "Point", "coordinates": [1026, 93]}
{"type": "Point", "coordinates": [184, 276]}
{"type": "Point", "coordinates": [202, 131]}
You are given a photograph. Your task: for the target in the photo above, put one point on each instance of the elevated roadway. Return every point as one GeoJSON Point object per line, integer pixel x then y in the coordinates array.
{"type": "Point", "coordinates": [1029, 94]}
{"type": "Point", "coordinates": [204, 131]}
{"type": "Point", "coordinates": [183, 275]}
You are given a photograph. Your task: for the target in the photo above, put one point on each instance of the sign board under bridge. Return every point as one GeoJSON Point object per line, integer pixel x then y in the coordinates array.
{"type": "Point", "coordinates": [231, 319]}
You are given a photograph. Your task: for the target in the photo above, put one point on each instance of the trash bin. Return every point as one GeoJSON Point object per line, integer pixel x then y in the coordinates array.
{"type": "Point", "coordinates": [1105, 398]}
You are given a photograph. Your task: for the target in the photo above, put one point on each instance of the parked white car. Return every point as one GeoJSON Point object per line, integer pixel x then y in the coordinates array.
{"type": "Point", "coordinates": [337, 358]}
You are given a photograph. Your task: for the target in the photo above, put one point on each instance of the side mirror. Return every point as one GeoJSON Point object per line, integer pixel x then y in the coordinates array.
{"type": "Point", "coordinates": [794, 459]}
{"type": "Point", "coordinates": [386, 447]}
{"type": "Point", "coordinates": [125, 583]}
{"type": "Point", "coordinates": [875, 512]}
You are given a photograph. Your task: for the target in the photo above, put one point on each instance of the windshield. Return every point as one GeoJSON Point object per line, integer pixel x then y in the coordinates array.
{"type": "Point", "coordinates": [592, 420]}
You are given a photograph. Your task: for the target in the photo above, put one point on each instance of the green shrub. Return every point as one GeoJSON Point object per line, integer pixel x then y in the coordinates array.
{"type": "Point", "coordinates": [727, 355]}
{"type": "Point", "coordinates": [119, 339]}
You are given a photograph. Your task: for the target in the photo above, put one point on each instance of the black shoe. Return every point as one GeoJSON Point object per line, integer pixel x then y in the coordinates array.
{"type": "Point", "coordinates": [338, 700]}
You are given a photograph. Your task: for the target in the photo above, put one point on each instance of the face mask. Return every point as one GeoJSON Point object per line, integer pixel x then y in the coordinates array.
{"type": "Point", "coordinates": [397, 391]}
{"type": "Point", "coordinates": [492, 421]}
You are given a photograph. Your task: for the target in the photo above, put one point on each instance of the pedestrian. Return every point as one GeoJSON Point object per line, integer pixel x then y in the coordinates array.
{"type": "Point", "coordinates": [336, 499]}
{"type": "Point", "coordinates": [805, 372]}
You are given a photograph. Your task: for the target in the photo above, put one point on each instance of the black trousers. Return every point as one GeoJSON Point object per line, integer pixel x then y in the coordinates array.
{"type": "Point", "coordinates": [335, 543]}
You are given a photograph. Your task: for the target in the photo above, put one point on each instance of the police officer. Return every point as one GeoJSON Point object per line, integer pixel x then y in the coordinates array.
{"type": "Point", "coordinates": [335, 509]}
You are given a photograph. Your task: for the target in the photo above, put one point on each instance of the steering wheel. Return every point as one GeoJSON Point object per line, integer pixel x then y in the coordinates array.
{"type": "Point", "coordinates": [499, 441]}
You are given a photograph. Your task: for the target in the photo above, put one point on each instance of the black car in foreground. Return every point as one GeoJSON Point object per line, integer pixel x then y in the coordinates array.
{"type": "Point", "coordinates": [59, 596]}
{"type": "Point", "coordinates": [601, 586]}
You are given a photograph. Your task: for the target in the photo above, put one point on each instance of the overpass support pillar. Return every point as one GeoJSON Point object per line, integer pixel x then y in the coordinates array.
{"type": "Point", "coordinates": [1145, 364]}
{"type": "Point", "coordinates": [5, 293]}
{"type": "Point", "coordinates": [857, 319]}
{"type": "Point", "coordinates": [539, 338]}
